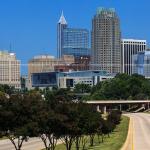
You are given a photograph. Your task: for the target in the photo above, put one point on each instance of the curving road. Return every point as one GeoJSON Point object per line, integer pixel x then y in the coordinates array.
{"type": "Point", "coordinates": [140, 132]}
{"type": "Point", "coordinates": [32, 144]}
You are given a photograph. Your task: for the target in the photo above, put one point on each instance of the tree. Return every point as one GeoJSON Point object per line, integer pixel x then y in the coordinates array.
{"type": "Point", "coordinates": [49, 124]}
{"type": "Point", "coordinates": [17, 118]}
{"type": "Point", "coordinates": [114, 117]}
{"type": "Point", "coordinates": [82, 88]}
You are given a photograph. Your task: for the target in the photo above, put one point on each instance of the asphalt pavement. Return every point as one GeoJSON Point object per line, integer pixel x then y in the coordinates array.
{"type": "Point", "coordinates": [32, 144]}
{"type": "Point", "coordinates": [140, 132]}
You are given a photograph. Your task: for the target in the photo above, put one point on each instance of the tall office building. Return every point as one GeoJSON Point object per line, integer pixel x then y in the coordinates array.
{"type": "Point", "coordinates": [62, 24]}
{"type": "Point", "coordinates": [71, 41]}
{"type": "Point", "coordinates": [9, 69]}
{"type": "Point", "coordinates": [106, 41]}
{"type": "Point", "coordinates": [129, 48]}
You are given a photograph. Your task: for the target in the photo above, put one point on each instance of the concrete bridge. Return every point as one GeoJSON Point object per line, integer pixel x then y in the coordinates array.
{"type": "Point", "coordinates": [103, 105]}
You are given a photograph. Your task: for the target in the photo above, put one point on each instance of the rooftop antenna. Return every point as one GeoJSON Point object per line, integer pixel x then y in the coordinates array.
{"type": "Point", "coordinates": [10, 47]}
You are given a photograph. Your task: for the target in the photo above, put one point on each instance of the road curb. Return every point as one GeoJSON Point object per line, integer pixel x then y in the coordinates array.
{"type": "Point", "coordinates": [128, 145]}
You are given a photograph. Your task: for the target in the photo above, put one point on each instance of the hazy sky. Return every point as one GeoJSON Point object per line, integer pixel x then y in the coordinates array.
{"type": "Point", "coordinates": [30, 25]}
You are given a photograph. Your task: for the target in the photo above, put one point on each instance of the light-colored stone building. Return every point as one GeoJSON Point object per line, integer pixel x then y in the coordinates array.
{"type": "Point", "coordinates": [9, 69]}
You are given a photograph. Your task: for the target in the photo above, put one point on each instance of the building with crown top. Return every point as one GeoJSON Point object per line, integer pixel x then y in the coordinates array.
{"type": "Point", "coordinates": [106, 41]}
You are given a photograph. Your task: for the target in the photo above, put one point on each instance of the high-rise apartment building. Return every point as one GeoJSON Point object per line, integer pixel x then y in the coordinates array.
{"type": "Point", "coordinates": [9, 69]}
{"type": "Point", "coordinates": [106, 41]}
{"type": "Point", "coordinates": [129, 48]}
{"type": "Point", "coordinates": [71, 41]}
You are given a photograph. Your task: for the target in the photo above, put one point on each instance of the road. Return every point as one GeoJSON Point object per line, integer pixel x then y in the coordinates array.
{"type": "Point", "coordinates": [32, 144]}
{"type": "Point", "coordinates": [140, 132]}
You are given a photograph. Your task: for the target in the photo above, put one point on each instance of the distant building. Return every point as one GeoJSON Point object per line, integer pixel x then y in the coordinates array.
{"type": "Point", "coordinates": [81, 63]}
{"type": "Point", "coordinates": [129, 48]}
{"type": "Point", "coordinates": [62, 24]}
{"type": "Point", "coordinates": [24, 82]}
{"type": "Point", "coordinates": [47, 63]}
{"type": "Point", "coordinates": [42, 63]}
{"type": "Point", "coordinates": [44, 79]}
{"type": "Point", "coordinates": [68, 79]}
{"type": "Point", "coordinates": [106, 41]}
{"type": "Point", "coordinates": [141, 63]}
{"type": "Point", "coordinates": [71, 41]}
{"type": "Point", "coordinates": [9, 69]}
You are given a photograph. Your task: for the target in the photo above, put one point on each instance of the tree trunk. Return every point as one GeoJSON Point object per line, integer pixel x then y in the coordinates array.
{"type": "Point", "coordinates": [77, 141]}
{"type": "Point", "coordinates": [68, 142]}
{"type": "Point", "coordinates": [17, 145]}
{"type": "Point", "coordinates": [98, 135]}
{"type": "Point", "coordinates": [91, 140]}
{"type": "Point", "coordinates": [83, 142]}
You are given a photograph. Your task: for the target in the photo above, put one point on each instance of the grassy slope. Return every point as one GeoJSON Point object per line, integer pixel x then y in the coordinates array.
{"type": "Point", "coordinates": [115, 142]}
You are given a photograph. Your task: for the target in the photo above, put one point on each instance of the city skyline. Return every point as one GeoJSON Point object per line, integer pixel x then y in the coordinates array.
{"type": "Point", "coordinates": [34, 24]}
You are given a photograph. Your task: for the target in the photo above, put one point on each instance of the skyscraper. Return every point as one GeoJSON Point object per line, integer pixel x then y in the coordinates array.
{"type": "Point", "coordinates": [62, 24]}
{"type": "Point", "coordinates": [129, 48]}
{"type": "Point", "coordinates": [106, 41]}
{"type": "Point", "coordinates": [71, 41]}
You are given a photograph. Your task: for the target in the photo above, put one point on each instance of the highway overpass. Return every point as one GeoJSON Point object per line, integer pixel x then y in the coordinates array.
{"type": "Point", "coordinates": [103, 105]}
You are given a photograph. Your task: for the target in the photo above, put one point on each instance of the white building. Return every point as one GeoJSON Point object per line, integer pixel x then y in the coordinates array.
{"type": "Point", "coordinates": [9, 69]}
{"type": "Point", "coordinates": [70, 79]}
{"type": "Point", "coordinates": [129, 48]}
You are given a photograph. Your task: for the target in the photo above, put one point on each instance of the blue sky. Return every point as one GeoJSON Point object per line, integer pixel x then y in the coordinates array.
{"type": "Point", "coordinates": [30, 25]}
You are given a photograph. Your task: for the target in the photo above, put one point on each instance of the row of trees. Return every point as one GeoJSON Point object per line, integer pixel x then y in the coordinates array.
{"type": "Point", "coordinates": [52, 118]}
{"type": "Point", "coordinates": [123, 86]}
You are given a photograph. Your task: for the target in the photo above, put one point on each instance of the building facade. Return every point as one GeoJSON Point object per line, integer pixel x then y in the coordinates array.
{"type": "Point", "coordinates": [106, 41]}
{"type": "Point", "coordinates": [47, 63]}
{"type": "Point", "coordinates": [80, 63]}
{"type": "Point", "coordinates": [42, 63]}
{"type": "Point", "coordinates": [129, 48]}
{"type": "Point", "coordinates": [141, 63]}
{"type": "Point", "coordinates": [71, 41]}
{"type": "Point", "coordinates": [68, 79]}
{"type": "Point", "coordinates": [9, 69]}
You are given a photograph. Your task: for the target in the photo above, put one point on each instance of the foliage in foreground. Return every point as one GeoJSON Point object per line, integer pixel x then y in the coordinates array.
{"type": "Point", "coordinates": [55, 117]}
{"type": "Point", "coordinates": [114, 142]}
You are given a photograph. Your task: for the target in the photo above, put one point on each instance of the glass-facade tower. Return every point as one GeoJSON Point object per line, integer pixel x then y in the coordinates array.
{"type": "Point", "coordinates": [62, 24]}
{"type": "Point", "coordinates": [141, 63]}
{"type": "Point", "coordinates": [72, 41]}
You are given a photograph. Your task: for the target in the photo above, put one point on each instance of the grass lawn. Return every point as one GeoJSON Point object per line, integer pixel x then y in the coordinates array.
{"type": "Point", "coordinates": [114, 142]}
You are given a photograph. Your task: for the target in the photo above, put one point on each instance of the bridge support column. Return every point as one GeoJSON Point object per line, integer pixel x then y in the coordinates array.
{"type": "Point", "coordinates": [105, 110]}
{"type": "Point", "coordinates": [120, 107]}
{"type": "Point", "coordinates": [143, 105]}
{"type": "Point", "coordinates": [97, 108]}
